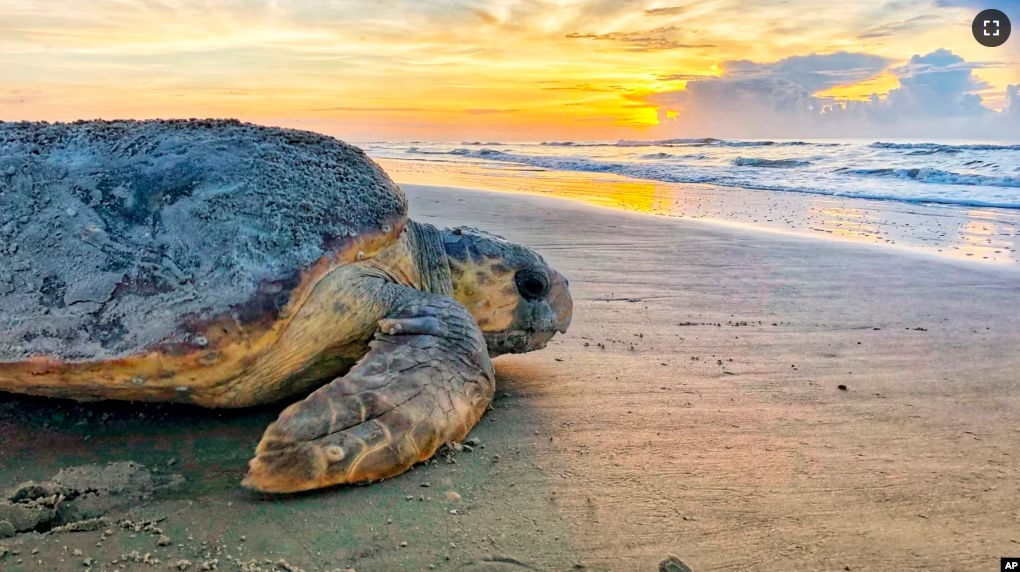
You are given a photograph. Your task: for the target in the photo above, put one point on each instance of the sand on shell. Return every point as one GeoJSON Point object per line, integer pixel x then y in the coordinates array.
{"type": "Point", "coordinates": [634, 436]}
{"type": "Point", "coordinates": [113, 234]}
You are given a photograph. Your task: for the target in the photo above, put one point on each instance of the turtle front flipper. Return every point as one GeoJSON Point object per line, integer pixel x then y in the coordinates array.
{"type": "Point", "coordinates": [426, 380]}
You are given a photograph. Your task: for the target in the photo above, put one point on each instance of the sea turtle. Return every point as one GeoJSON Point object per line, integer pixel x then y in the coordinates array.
{"type": "Point", "coordinates": [225, 264]}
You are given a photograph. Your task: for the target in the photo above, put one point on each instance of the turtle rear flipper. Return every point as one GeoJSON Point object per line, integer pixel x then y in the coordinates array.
{"type": "Point", "coordinates": [426, 381]}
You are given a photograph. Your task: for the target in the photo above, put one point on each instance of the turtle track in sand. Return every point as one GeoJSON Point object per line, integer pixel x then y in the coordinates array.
{"type": "Point", "coordinates": [77, 497]}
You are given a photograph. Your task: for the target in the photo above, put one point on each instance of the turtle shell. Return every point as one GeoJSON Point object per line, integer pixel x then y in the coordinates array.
{"type": "Point", "coordinates": [131, 238]}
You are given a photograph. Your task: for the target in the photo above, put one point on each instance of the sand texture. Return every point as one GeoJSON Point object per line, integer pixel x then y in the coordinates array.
{"type": "Point", "coordinates": [693, 409]}
{"type": "Point", "coordinates": [111, 232]}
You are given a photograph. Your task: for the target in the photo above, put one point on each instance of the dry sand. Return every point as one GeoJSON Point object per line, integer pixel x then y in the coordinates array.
{"type": "Point", "coordinates": [694, 408]}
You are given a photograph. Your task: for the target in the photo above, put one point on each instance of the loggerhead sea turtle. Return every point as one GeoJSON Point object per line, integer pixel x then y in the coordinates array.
{"type": "Point", "coordinates": [226, 264]}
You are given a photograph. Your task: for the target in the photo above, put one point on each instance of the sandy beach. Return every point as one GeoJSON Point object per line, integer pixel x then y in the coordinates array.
{"type": "Point", "coordinates": [743, 399]}
{"type": "Point", "coordinates": [695, 407]}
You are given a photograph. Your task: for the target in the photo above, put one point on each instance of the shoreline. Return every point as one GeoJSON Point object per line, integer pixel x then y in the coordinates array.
{"type": "Point", "coordinates": [985, 235]}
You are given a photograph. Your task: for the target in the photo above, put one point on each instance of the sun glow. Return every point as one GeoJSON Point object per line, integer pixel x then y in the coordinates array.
{"type": "Point", "coordinates": [411, 70]}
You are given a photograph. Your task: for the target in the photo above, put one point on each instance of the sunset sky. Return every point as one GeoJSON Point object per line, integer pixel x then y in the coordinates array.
{"type": "Point", "coordinates": [514, 69]}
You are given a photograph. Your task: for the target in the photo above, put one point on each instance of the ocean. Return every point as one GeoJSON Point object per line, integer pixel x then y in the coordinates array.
{"type": "Point", "coordinates": [967, 174]}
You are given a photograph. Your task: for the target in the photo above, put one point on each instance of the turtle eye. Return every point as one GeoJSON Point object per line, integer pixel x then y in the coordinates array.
{"type": "Point", "coordinates": [531, 284]}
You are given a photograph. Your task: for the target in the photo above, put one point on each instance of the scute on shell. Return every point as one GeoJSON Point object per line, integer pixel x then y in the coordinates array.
{"type": "Point", "coordinates": [116, 236]}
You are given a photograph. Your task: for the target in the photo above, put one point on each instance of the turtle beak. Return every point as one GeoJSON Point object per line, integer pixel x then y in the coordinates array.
{"type": "Point", "coordinates": [559, 301]}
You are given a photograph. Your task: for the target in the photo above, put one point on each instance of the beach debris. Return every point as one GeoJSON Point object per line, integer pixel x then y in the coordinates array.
{"type": "Point", "coordinates": [841, 387]}
{"type": "Point", "coordinates": [673, 564]}
{"type": "Point", "coordinates": [87, 525]}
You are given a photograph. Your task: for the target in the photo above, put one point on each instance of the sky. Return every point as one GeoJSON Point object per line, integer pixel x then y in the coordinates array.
{"type": "Point", "coordinates": [520, 70]}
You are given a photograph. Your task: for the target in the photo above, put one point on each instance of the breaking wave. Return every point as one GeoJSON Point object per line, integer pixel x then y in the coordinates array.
{"type": "Point", "coordinates": [937, 176]}
{"type": "Point", "coordinates": [772, 163]}
{"type": "Point", "coordinates": [695, 142]}
{"type": "Point", "coordinates": [941, 147]}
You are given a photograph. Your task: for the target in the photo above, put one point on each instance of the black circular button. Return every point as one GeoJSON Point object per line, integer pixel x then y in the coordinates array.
{"type": "Point", "coordinates": [991, 28]}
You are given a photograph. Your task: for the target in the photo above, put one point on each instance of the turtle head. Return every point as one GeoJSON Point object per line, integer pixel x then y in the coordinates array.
{"type": "Point", "coordinates": [518, 300]}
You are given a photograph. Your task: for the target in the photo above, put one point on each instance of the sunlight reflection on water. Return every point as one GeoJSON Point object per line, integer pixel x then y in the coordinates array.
{"type": "Point", "coordinates": [986, 235]}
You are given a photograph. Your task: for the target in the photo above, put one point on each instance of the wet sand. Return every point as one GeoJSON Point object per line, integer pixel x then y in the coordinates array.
{"type": "Point", "coordinates": [986, 234]}
{"type": "Point", "coordinates": [694, 409]}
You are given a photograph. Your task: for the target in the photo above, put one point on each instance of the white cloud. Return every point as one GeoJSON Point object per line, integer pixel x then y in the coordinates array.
{"type": "Point", "coordinates": [814, 72]}
{"type": "Point", "coordinates": [937, 97]}
{"type": "Point", "coordinates": [1011, 114]}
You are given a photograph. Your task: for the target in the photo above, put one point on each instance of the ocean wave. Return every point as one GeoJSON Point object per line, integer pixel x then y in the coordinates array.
{"type": "Point", "coordinates": [668, 142]}
{"type": "Point", "coordinates": [709, 141]}
{"type": "Point", "coordinates": [935, 151]}
{"type": "Point", "coordinates": [663, 156]}
{"type": "Point", "coordinates": [674, 173]}
{"type": "Point", "coordinates": [936, 176]}
{"type": "Point", "coordinates": [746, 143]}
{"type": "Point", "coordinates": [772, 163]}
{"type": "Point", "coordinates": [985, 175]}
{"type": "Point", "coordinates": [479, 143]}
{"type": "Point", "coordinates": [573, 144]}
{"type": "Point", "coordinates": [459, 151]}
{"type": "Point", "coordinates": [689, 142]}
{"type": "Point", "coordinates": [942, 147]}
{"type": "Point", "coordinates": [489, 153]}
{"type": "Point", "coordinates": [724, 143]}
{"type": "Point", "coordinates": [638, 143]}
{"type": "Point", "coordinates": [419, 151]}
